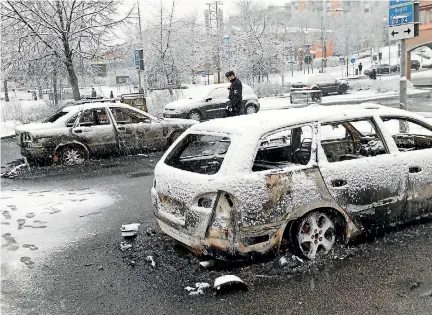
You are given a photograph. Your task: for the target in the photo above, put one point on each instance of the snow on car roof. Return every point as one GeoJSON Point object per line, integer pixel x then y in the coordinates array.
{"type": "Point", "coordinates": [268, 121]}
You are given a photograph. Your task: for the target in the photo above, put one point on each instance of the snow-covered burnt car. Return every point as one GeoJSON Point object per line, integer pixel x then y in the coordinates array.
{"type": "Point", "coordinates": [210, 101]}
{"type": "Point", "coordinates": [79, 132]}
{"type": "Point", "coordinates": [310, 176]}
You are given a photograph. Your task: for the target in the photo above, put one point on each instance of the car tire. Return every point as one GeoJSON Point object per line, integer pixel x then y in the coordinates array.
{"type": "Point", "coordinates": [195, 115]}
{"type": "Point", "coordinates": [250, 109]}
{"type": "Point", "coordinates": [72, 155]}
{"type": "Point", "coordinates": [343, 89]}
{"type": "Point", "coordinates": [314, 234]}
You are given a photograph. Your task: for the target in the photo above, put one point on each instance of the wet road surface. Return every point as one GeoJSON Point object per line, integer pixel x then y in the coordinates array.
{"type": "Point", "coordinates": [85, 272]}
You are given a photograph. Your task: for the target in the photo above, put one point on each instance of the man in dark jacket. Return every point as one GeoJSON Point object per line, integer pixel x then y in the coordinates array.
{"type": "Point", "coordinates": [235, 95]}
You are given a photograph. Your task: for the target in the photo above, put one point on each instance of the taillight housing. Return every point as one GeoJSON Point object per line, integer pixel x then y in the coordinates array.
{"type": "Point", "coordinates": [206, 201]}
{"type": "Point", "coordinates": [26, 137]}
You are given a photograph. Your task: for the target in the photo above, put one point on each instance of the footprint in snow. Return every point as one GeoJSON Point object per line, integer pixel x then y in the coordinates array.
{"type": "Point", "coordinates": [21, 223]}
{"type": "Point", "coordinates": [27, 261]}
{"type": "Point", "coordinates": [30, 215]}
{"type": "Point", "coordinates": [12, 207]}
{"type": "Point", "coordinates": [6, 214]}
{"type": "Point", "coordinates": [30, 246]}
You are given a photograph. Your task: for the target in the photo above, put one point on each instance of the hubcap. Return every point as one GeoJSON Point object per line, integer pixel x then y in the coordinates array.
{"type": "Point", "coordinates": [316, 234]}
{"type": "Point", "coordinates": [195, 116]}
{"type": "Point", "coordinates": [250, 110]}
{"type": "Point", "coordinates": [73, 156]}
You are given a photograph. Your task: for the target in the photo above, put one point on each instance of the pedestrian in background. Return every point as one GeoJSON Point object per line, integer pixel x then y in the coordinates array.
{"type": "Point", "coordinates": [93, 92]}
{"type": "Point", "coordinates": [235, 95]}
{"type": "Point", "coordinates": [360, 67]}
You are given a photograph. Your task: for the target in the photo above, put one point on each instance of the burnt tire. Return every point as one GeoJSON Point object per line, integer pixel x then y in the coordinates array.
{"type": "Point", "coordinates": [195, 115]}
{"type": "Point", "coordinates": [72, 155]}
{"type": "Point", "coordinates": [343, 89]}
{"type": "Point", "coordinates": [314, 234]}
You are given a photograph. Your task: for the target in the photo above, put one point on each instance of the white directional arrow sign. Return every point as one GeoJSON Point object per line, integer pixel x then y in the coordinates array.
{"type": "Point", "coordinates": [401, 31]}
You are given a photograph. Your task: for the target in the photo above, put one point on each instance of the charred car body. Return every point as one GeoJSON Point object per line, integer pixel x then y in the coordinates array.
{"type": "Point", "coordinates": [308, 176]}
{"type": "Point", "coordinates": [79, 132]}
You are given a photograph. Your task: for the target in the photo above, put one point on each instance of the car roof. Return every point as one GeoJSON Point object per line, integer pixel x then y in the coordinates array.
{"type": "Point", "coordinates": [80, 107]}
{"type": "Point", "coordinates": [267, 121]}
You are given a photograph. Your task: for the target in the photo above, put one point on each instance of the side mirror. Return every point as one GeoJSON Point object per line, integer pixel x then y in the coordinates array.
{"type": "Point", "coordinates": [208, 99]}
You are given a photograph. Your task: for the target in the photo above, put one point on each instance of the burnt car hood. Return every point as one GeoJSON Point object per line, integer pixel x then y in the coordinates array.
{"type": "Point", "coordinates": [178, 121]}
{"type": "Point", "coordinates": [41, 129]}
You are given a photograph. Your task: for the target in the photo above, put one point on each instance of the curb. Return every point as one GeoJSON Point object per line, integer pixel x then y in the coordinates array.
{"type": "Point", "coordinates": [383, 98]}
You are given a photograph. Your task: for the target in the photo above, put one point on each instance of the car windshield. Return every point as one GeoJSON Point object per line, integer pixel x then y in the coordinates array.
{"type": "Point", "coordinates": [55, 117]}
{"type": "Point", "coordinates": [201, 154]}
{"type": "Point", "coordinates": [199, 93]}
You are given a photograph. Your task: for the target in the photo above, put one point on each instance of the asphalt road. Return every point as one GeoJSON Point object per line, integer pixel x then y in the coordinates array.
{"type": "Point", "coordinates": [78, 267]}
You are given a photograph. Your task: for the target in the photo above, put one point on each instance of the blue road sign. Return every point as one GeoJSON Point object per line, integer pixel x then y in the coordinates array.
{"type": "Point", "coordinates": [397, 2]}
{"type": "Point", "coordinates": [353, 60]}
{"type": "Point", "coordinates": [137, 58]}
{"type": "Point", "coordinates": [401, 15]}
{"type": "Point", "coordinates": [203, 74]}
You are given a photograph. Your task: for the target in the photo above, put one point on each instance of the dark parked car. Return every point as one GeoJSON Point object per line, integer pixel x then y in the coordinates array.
{"type": "Point", "coordinates": [380, 69]}
{"type": "Point", "coordinates": [415, 64]}
{"type": "Point", "coordinates": [323, 82]}
{"type": "Point", "coordinates": [208, 102]}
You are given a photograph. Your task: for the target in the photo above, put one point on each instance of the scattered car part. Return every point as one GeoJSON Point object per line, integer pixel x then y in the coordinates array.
{"type": "Point", "coordinates": [129, 230]}
{"type": "Point", "coordinates": [229, 283]}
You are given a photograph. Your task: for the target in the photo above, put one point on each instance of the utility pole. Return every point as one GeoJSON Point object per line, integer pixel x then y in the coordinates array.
{"type": "Point", "coordinates": [403, 79]}
{"type": "Point", "coordinates": [141, 89]}
{"type": "Point", "coordinates": [214, 21]}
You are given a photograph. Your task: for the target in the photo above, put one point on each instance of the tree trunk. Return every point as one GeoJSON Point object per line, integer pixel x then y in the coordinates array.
{"type": "Point", "coordinates": [73, 79]}
{"type": "Point", "coordinates": [6, 90]}
{"type": "Point", "coordinates": [55, 95]}
{"type": "Point", "coordinates": [40, 89]}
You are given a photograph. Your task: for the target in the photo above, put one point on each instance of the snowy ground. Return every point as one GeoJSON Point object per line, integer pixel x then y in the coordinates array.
{"type": "Point", "coordinates": [34, 222]}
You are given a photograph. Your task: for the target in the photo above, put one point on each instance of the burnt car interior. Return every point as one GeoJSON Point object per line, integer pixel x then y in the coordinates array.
{"type": "Point", "coordinates": [283, 149]}
{"type": "Point", "coordinates": [202, 154]}
{"type": "Point", "coordinates": [124, 116]}
{"type": "Point", "coordinates": [409, 135]}
{"type": "Point", "coordinates": [94, 117]}
{"type": "Point", "coordinates": [350, 140]}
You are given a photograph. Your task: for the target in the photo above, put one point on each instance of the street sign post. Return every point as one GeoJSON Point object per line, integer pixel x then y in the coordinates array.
{"type": "Point", "coordinates": [401, 31]}
{"type": "Point", "coordinates": [353, 60]}
{"type": "Point", "coordinates": [137, 59]}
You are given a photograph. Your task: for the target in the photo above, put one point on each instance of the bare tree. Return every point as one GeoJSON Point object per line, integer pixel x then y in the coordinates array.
{"type": "Point", "coordinates": [66, 30]}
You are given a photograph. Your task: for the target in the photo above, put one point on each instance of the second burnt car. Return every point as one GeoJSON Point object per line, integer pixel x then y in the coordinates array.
{"type": "Point", "coordinates": [308, 177]}
{"type": "Point", "coordinates": [80, 132]}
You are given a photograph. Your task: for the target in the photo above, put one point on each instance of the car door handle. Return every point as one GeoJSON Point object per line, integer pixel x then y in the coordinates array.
{"type": "Point", "coordinates": [121, 128]}
{"type": "Point", "coordinates": [78, 131]}
{"type": "Point", "coordinates": [338, 182]}
{"type": "Point", "coordinates": [414, 169]}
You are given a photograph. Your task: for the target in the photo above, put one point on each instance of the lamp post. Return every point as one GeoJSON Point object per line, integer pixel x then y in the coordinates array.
{"type": "Point", "coordinates": [227, 38]}
{"type": "Point", "coordinates": [324, 50]}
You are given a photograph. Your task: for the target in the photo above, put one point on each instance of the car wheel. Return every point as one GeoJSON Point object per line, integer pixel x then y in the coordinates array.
{"type": "Point", "coordinates": [250, 109]}
{"type": "Point", "coordinates": [195, 115]}
{"type": "Point", "coordinates": [343, 89]}
{"type": "Point", "coordinates": [72, 155]}
{"type": "Point", "coordinates": [314, 234]}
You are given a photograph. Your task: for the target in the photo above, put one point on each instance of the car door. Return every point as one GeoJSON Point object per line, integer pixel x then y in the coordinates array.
{"type": "Point", "coordinates": [414, 142]}
{"type": "Point", "coordinates": [368, 181]}
{"type": "Point", "coordinates": [95, 129]}
{"type": "Point", "coordinates": [137, 131]}
{"type": "Point", "coordinates": [216, 102]}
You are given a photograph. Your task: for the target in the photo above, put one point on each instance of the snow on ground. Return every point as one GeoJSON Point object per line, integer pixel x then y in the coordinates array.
{"type": "Point", "coordinates": [36, 222]}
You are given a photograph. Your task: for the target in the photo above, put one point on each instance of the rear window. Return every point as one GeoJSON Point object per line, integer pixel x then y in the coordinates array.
{"type": "Point", "coordinates": [203, 154]}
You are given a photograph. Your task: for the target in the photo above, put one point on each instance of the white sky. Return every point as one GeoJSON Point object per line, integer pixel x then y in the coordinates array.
{"type": "Point", "coordinates": [185, 7]}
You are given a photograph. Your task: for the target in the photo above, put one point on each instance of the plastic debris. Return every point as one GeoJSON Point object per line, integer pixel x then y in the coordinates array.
{"type": "Point", "coordinates": [129, 230]}
{"type": "Point", "coordinates": [202, 285]}
{"type": "Point", "coordinates": [207, 264]}
{"type": "Point", "coordinates": [229, 283]}
{"type": "Point", "coordinates": [188, 288]}
{"type": "Point", "coordinates": [151, 261]}
{"type": "Point", "coordinates": [125, 245]}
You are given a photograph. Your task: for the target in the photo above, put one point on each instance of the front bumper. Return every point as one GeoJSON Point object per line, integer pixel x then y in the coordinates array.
{"type": "Point", "coordinates": [168, 114]}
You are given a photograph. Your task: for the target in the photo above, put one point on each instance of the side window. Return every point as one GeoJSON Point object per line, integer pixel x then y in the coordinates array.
{"type": "Point", "coordinates": [284, 148]}
{"type": "Point", "coordinates": [219, 93]}
{"type": "Point", "coordinates": [125, 116]}
{"type": "Point", "coordinates": [409, 135]}
{"type": "Point", "coordinates": [72, 120]}
{"type": "Point", "coordinates": [347, 140]}
{"type": "Point", "coordinates": [94, 117]}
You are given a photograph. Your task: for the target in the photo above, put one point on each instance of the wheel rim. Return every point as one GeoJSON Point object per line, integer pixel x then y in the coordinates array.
{"type": "Point", "coordinates": [195, 116]}
{"type": "Point", "coordinates": [250, 110]}
{"type": "Point", "coordinates": [316, 234]}
{"type": "Point", "coordinates": [73, 156]}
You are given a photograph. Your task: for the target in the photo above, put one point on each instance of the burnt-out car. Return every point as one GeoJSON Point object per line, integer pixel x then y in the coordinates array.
{"type": "Point", "coordinates": [310, 176]}
{"type": "Point", "coordinates": [79, 132]}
